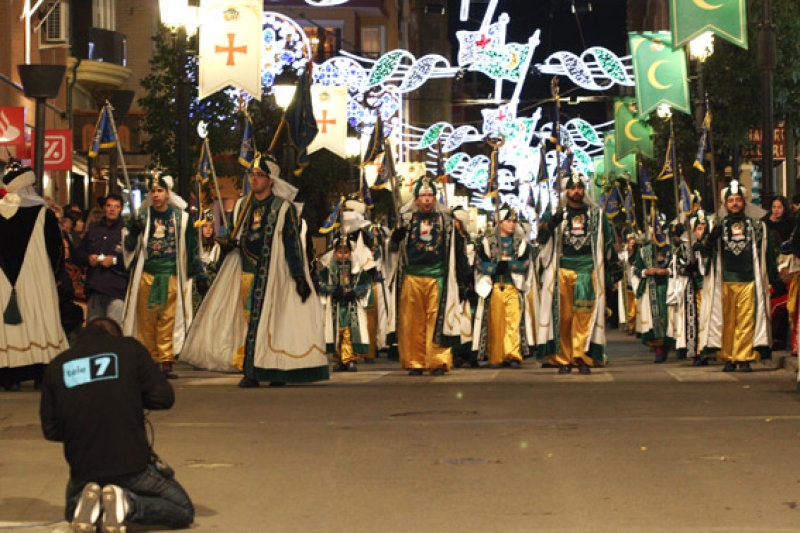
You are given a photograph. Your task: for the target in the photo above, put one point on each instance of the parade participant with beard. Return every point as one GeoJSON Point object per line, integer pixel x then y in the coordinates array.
{"type": "Point", "coordinates": [734, 315]}
{"type": "Point", "coordinates": [577, 260]}
{"type": "Point", "coordinates": [429, 317]}
{"type": "Point", "coordinates": [259, 317]}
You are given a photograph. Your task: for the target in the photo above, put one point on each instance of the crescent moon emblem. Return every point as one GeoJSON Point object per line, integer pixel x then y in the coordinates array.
{"type": "Point", "coordinates": [628, 132]}
{"type": "Point", "coordinates": [651, 75]}
{"type": "Point", "coordinates": [702, 4]}
{"type": "Point", "coordinates": [513, 59]}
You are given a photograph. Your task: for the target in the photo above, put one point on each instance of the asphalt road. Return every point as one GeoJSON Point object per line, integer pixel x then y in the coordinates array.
{"type": "Point", "coordinates": [633, 447]}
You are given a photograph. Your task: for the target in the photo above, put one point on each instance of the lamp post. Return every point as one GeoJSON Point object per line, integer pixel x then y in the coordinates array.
{"type": "Point", "coordinates": [40, 82]}
{"type": "Point", "coordinates": [181, 17]}
{"type": "Point", "coordinates": [766, 64]}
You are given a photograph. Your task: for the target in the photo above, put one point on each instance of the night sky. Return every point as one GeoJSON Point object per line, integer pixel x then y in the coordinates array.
{"type": "Point", "coordinates": [561, 29]}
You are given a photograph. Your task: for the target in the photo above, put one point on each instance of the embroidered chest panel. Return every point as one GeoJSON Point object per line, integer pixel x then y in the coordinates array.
{"type": "Point", "coordinates": [737, 237]}
{"type": "Point", "coordinates": [578, 231]}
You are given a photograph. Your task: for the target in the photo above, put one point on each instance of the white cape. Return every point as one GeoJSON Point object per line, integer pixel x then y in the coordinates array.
{"type": "Point", "coordinates": [40, 337]}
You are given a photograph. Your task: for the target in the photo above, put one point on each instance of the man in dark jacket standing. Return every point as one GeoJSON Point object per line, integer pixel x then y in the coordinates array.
{"type": "Point", "coordinates": [100, 251]}
{"type": "Point", "coordinates": [93, 400]}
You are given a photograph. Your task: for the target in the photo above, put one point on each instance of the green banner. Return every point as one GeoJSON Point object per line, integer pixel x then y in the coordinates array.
{"type": "Point", "coordinates": [632, 135]}
{"type": "Point", "coordinates": [615, 167]}
{"type": "Point", "coordinates": [660, 72]}
{"type": "Point", "coordinates": [726, 18]}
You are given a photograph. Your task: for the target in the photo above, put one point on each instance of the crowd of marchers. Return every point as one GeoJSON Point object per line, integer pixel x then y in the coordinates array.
{"type": "Point", "coordinates": [427, 293]}
{"type": "Point", "coordinates": [159, 286]}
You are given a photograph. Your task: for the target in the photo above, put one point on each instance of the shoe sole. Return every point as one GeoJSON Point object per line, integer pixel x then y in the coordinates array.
{"type": "Point", "coordinates": [112, 508]}
{"type": "Point", "coordinates": [83, 522]}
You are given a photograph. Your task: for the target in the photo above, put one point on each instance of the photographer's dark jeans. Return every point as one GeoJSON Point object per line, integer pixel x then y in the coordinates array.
{"type": "Point", "coordinates": [152, 499]}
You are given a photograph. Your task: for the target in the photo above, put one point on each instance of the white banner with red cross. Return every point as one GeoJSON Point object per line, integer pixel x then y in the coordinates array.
{"type": "Point", "coordinates": [230, 46]}
{"type": "Point", "coordinates": [330, 110]}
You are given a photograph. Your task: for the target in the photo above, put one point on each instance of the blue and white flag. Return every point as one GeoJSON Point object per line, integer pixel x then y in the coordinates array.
{"type": "Point", "coordinates": [103, 133]}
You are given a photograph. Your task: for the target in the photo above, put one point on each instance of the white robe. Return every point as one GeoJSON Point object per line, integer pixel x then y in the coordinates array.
{"type": "Point", "coordinates": [550, 259]}
{"type": "Point", "coordinates": [290, 333]}
{"type": "Point", "coordinates": [40, 337]}
{"type": "Point", "coordinates": [710, 327]}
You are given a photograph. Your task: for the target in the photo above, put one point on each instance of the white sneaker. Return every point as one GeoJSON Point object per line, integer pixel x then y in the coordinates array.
{"type": "Point", "coordinates": [115, 509]}
{"type": "Point", "coordinates": [88, 509]}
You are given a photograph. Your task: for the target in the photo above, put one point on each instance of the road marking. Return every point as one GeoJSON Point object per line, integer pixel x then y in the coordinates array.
{"type": "Point", "coordinates": [226, 381]}
{"type": "Point", "coordinates": [467, 376]}
{"type": "Point", "coordinates": [353, 378]}
{"type": "Point", "coordinates": [697, 375]}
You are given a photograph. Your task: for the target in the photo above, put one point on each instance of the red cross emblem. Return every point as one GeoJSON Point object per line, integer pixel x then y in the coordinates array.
{"type": "Point", "coordinates": [230, 49]}
{"type": "Point", "coordinates": [325, 121]}
{"type": "Point", "coordinates": [483, 41]}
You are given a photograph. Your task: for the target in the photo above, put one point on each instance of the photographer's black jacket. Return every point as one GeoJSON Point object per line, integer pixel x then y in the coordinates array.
{"type": "Point", "coordinates": [93, 400]}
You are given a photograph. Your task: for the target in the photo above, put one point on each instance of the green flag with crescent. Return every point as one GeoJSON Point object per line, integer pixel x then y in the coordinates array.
{"type": "Point", "coordinates": [632, 134]}
{"type": "Point", "coordinates": [615, 167]}
{"type": "Point", "coordinates": [726, 18]}
{"type": "Point", "coordinates": [659, 71]}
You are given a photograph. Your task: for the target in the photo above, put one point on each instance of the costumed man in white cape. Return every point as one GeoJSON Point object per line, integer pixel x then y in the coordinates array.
{"type": "Point", "coordinates": [344, 290]}
{"type": "Point", "coordinates": [503, 330]}
{"type": "Point", "coordinates": [576, 258]}
{"type": "Point", "coordinates": [735, 310]}
{"type": "Point", "coordinates": [160, 249]}
{"type": "Point", "coordinates": [258, 318]}
{"type": "Point", "coordinates": [429, 315]}
{"type": "Point", "coordinates": [31, 255]}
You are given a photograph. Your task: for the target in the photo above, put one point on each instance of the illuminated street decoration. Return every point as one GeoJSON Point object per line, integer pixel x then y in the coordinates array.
{"type": "Point", "coordinates": [404, 69]}
{"type": "Point", "coordinates": [495, 119]}
{"type": "Point", "coordinates": [471, 43]}
{"type": "Point", "coordinates": [379, 85]}
{"type": "Point", "coordinates": [506, 63]}
{"type": "Point", "coordinates": [285, 45]}
{"type": "Point", "coordinates": [460, 136]}
{"type": "Point", "coordinates": [326, 3]}
{"type": "Point", "coordinates": [596, 69]}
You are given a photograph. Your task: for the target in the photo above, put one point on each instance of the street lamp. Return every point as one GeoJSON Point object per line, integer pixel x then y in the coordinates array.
{"type": "Point", "coordinates": [181, 17]}
{"type": "Point", "coordinates": [40, 82]}
{"type": "Point", "coordinates": [352, 149]}
{"type": "Point", "coordinates": [283, 94]}
{"type": "Point", "coordinates": [766, 64]}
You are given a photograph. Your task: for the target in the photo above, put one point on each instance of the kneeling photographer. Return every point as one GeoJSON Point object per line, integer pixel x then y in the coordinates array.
{"type": "Point", "coordinates": [94, 397]}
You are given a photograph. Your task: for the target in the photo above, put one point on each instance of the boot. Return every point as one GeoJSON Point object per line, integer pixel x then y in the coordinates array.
{"type": "Point", "coordinates": [166, 369]}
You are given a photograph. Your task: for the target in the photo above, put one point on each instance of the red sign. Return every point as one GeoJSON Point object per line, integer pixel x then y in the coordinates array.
{"type": "Point", "coordinates": [57, 149]}
{"type": "Point", "coordinates": [778, 144]}
{"type": "Point", "coordinates": [12, 126]}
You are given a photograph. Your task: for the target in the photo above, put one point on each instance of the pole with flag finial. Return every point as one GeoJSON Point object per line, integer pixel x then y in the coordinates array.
{"type": "Point", "coordinates": [492, 188]}
{"type": "Point", "coordinates": [556, 136]}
